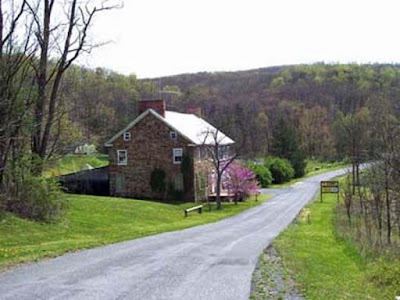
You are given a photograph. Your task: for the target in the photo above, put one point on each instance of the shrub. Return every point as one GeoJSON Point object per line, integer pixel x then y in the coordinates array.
{"type": "Point", "coordinates": [263, 174]}
{"type": "Point", "coordinates": [157, 180]}
{"type": "Point", "coordinates": [36, 198]}
{"type": "Point", "coordinates": [280, 168]}
{"type": "Point", "coordinates": [174, 195]}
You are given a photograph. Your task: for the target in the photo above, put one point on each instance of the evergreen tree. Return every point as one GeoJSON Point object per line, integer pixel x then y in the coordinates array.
{"type": "Point", "coordinates": [285, 144]}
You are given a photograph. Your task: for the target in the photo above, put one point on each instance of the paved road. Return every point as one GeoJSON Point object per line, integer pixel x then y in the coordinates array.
{"type": "Point", "coordinates": [213, 261]}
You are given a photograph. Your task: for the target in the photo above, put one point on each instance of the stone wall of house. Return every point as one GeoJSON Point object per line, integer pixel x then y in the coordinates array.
{"type": "Point", "coordinates": [150, 147]}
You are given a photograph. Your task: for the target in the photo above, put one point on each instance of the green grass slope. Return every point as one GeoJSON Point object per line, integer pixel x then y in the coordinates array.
{"type": "Point", "coordinates": [73, 163]}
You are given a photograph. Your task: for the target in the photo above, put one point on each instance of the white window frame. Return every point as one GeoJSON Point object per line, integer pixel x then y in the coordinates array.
{"type": "Point", "coordinates": [127, 136]}
{"type": "Point", "coordinates": [173, 135]}
{"type": "Point", "coordinates": [177, 152]}
{"type": "Point", "coordinates": [119, 154]}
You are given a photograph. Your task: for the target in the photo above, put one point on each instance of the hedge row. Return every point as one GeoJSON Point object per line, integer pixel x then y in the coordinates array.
{"type": "Point", "coordinates": [273, 170]}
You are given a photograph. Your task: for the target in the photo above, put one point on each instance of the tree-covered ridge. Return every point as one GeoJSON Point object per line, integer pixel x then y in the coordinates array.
{"type": "Point", "coordinates": [246, 104]}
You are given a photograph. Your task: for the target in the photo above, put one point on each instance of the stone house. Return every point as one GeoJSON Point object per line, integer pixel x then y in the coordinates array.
{"type": "Point", "coordinates": [165, 155]}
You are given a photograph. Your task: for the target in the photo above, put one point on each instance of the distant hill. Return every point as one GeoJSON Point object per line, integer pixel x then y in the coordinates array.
{"type": "Point", "coordinates": [219, 80]}
{"type": "Point", "coordinates": [189, 79]}
{"type": "Point", "coordinates": [239, 102]}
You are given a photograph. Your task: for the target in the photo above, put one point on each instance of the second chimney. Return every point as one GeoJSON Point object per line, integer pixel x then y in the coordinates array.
{"type": "Point", "coordinates": [157, 105]}
{"type": "Point", "coordinates": [195, 111]}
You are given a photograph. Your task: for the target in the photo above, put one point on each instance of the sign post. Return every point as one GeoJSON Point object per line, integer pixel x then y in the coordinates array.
{"type": "Point", "coordinates": [330, 187]}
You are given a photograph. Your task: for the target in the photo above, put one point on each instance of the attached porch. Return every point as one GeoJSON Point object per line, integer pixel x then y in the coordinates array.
{"type": "Point", "coordinates": [225, 196]}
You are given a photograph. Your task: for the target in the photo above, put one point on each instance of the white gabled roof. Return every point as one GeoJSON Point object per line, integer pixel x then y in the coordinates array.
{"type": "Point", "coordinates": [193, 128]}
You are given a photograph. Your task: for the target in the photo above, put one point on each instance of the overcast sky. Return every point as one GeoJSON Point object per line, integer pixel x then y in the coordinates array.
{"type": "Point", "coordinates": [152, 38]}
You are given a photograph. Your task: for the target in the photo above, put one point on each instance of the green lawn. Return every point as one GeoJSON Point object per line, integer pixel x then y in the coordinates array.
{"type": "Point", "coordinates": [92, 221]}
{"type": "Point", "coordinates": [325, 266]}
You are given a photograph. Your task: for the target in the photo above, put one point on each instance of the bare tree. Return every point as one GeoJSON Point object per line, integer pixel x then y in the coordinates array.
{"type": "Point", "coordinates": [378, 194]}
{"type": "Point", "coordinates": [220, 151]}
{"type": "Point", "coordinates": [60, 41]}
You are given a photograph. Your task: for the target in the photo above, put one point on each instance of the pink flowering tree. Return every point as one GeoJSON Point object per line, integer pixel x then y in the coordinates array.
{"type": "Point", "coordinates": [241, 181]}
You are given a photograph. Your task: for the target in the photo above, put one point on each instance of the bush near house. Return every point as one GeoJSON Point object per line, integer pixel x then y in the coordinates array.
{"type": "Point", "coordinates": [263, 174]}
{"type": "Point", "coordinates": [280, 168]}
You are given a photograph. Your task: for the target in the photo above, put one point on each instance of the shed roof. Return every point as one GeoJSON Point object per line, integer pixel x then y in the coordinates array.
{"type": "Point", "coordinates": [196, 130]}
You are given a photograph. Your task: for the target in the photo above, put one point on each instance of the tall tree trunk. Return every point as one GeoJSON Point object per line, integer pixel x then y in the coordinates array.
{"type": "Point", "coordinates": [38, 148]}
{"type": "Point", "coordinates": [2, 161]}
{"type": "Point", "coordinates": [218, 191]}
{"type": "Point", "coordinates": [388, 214]}
{"type": "Point", "coordinates": [378, 203]}
{"type": "Point", "coordinates": [1, 28]}
{"type": "Point", "coordinates": [353, 166]}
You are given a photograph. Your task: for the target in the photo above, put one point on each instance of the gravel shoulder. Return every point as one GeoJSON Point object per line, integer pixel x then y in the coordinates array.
{"type": "Point", "coordinates": [271, 280]}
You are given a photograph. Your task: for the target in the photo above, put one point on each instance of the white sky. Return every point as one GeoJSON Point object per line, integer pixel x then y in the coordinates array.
{"type": "Point", "coordinates": [152, 38]}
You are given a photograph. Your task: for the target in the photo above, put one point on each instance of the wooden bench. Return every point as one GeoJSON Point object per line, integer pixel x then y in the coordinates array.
{"type": "Point", "coordinates": [198, 207]}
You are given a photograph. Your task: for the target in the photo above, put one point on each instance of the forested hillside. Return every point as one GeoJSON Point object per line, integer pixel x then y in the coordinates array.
{"type": "Point", "coordinates": [246, 105]}
{"type": "Point", "coordinates": [312, 98]}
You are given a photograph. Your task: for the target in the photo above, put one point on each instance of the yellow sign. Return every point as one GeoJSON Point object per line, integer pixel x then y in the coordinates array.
{"type": "Point", "coordinates": [330, 187]}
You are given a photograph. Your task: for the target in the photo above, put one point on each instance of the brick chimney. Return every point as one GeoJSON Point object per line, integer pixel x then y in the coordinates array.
{"type": "Point", "coordinates": [157, 105]}
{"type": "Point", "coordinates": [194, 111]}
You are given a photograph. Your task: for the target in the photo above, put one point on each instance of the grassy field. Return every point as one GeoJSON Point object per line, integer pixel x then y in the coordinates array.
{"type": "Point", "coordinates": [315, 167]}
{"type": "Point", "coordinates": [92, 221]}
{"type": "Point", "coordinates": [73, 163]}
{"type": "Point", "coordinates": [325, 266]}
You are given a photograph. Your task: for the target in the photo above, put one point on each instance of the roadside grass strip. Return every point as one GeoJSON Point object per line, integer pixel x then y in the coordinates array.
{"type": "Point", "coordinates": [92, 221]}
{"type": "Point", "coordinates": [324, 266]}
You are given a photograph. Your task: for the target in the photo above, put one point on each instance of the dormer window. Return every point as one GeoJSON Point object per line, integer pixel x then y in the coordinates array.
{"type": "Point", "coordinates": [127, 136]}
{"type": "Point", "coordinates": [173, 135]}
